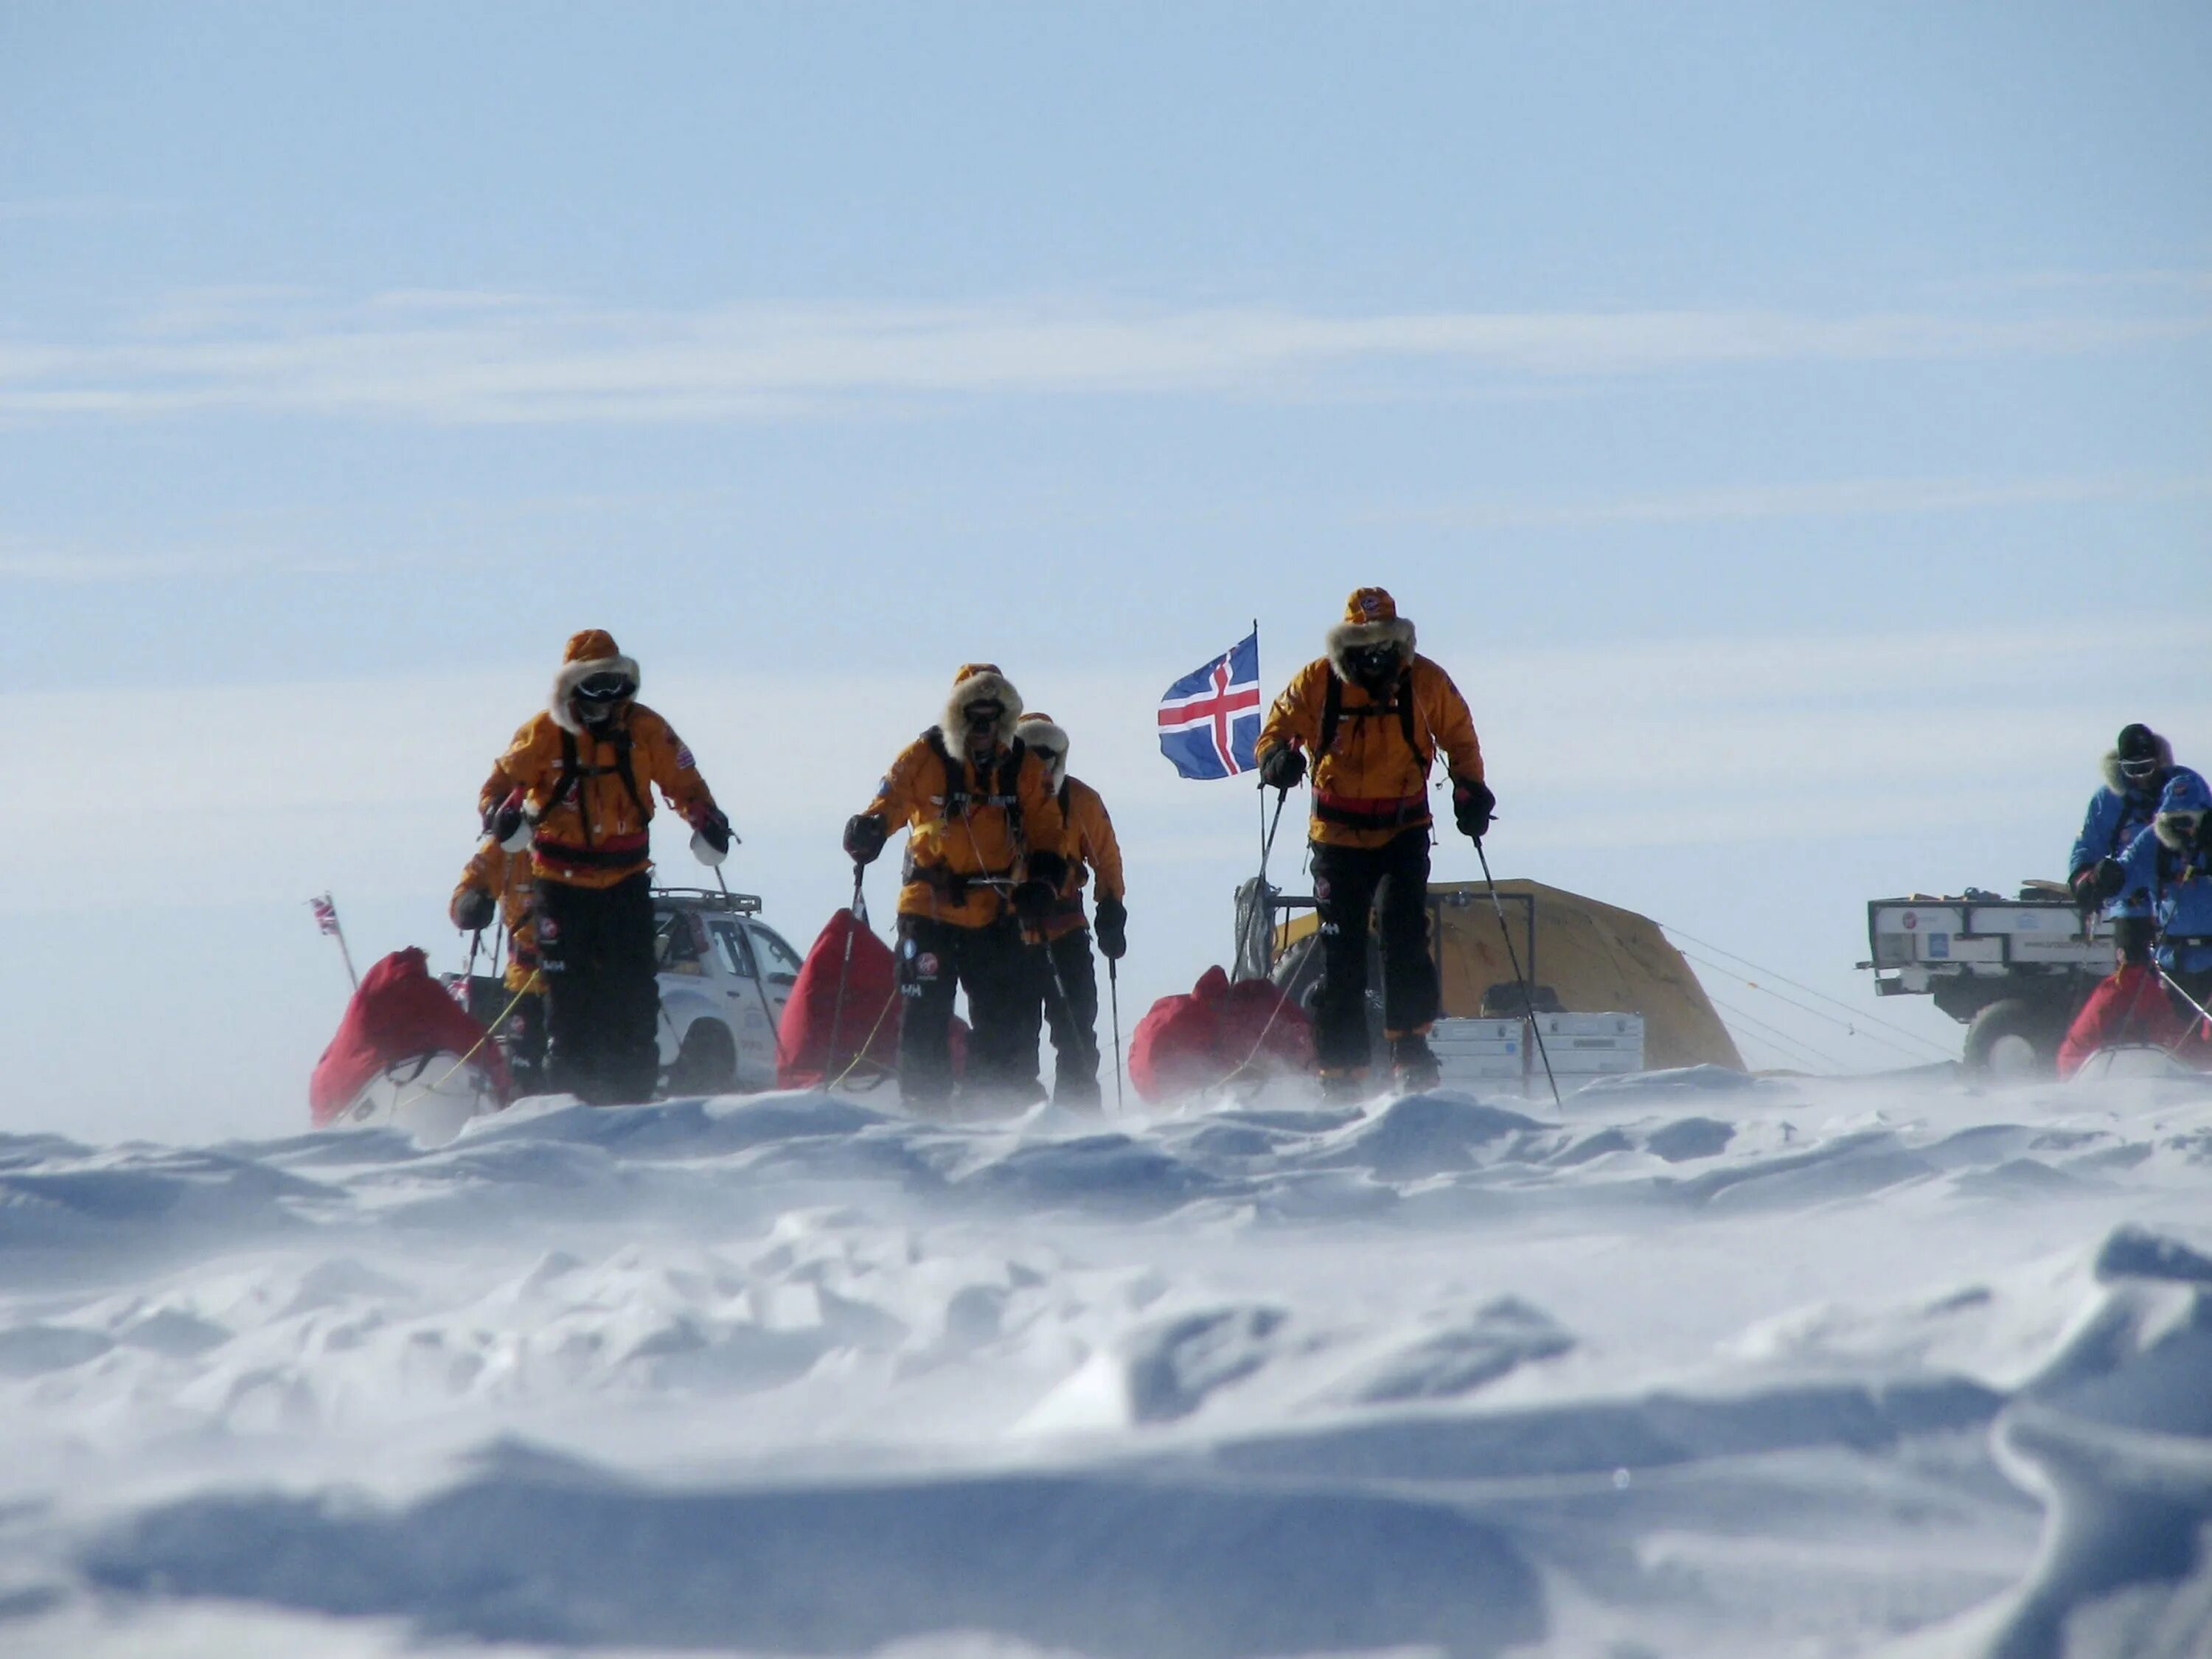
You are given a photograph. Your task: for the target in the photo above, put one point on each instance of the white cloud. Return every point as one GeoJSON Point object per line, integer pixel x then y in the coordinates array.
{"type": "Point", "coordinates": [465, 357]}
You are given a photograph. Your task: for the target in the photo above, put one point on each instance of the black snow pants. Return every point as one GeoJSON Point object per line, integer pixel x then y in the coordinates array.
{"type": "Point", "coordinates": [1351, 883]}
{"type": "Point", "coordinates": [937, 960]}
{"type": "Point", "coordinates": [1064, 976]}
{"type": "Point", "coordinates": [595, 950]}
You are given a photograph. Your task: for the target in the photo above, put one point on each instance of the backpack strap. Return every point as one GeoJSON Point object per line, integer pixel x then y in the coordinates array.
{"type": "Point", "coordinates": [1333, 712]}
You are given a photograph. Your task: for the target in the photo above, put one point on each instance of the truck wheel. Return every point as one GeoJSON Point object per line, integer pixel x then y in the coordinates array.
{"type": "Point", "coordinates": [2013, 1038]}
{"type": "Point", "coordinates": [706, 1061]}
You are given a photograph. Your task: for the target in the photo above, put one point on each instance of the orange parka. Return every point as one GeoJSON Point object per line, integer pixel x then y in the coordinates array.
{"type": "Point", "coordinates": [508, 878]}
{"type": "Point", "coordinates": [589, 791]}
{"type": "Point", "coordinates": [969, 827]}
{"type": "Point", "coordinates": [1089, 846]}
{"type": "Point", "coordinates": [1370, 780]}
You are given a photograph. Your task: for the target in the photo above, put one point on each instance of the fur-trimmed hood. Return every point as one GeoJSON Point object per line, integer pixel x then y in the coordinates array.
{"type": "Point", "coordinates": [2186, 793]}
{"type": "Point", "coordinates": [591, 651]}
{"type": "Point", "coordinates": [1347, 637]}
{"type": "Point", "coordinates": [2116, 780]}
{"type": "Point", "coordinates": [979, 682]}
{"type": "Point", "coordinates": [1036, 730]}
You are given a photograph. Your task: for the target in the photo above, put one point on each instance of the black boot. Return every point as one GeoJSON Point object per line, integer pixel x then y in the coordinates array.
{"type": "Point", "coordinates": [1343, 1088]}
{"type": "Point", "coordinates": [1413, 1064]}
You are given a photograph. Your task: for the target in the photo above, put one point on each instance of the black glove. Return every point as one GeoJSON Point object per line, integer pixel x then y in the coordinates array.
{"type": "Point", "coordinates": [1472, 805]}
{"type": "Point", "coordinates": [473, 910]}
{"type": "Point", "coordinates": [1111, 925]}
{"type": "Point", "coordinates": [2102, 880]}
{"type": "Point", "coordinates": [713, 829]}
{"type": "Point", "coordinates": [1283, 768]}
{"type": "Point", "coordinates": [865, 835]}
{"type": "Point", "coordinates": [503, 822]}
{"type": "Point", "coordinates": [1033, 901]}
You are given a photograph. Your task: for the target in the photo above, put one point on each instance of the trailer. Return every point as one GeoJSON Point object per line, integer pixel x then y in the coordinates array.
{"type": "Point", "coordinates": [2012, 971]}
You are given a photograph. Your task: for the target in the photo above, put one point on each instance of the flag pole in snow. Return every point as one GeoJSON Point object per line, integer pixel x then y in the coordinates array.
{"type": "Point", "coordinates": [326, 918]}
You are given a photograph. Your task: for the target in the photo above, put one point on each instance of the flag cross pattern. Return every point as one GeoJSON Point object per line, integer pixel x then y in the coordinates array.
{"type": "Point", "coordinates": [1199, 716]}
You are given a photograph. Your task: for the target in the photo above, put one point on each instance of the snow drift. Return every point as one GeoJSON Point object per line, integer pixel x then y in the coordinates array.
{"type": "Point", "coordinates": [1704, 1366]}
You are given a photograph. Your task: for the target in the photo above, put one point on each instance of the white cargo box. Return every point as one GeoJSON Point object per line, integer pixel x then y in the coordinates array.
{"type": "Point", "coordinates": [1482, 1069]}
{"type": "Point", "coordinates": [1480, 1050]}
{"type": "Point", "coordinates": [1458, 1033]}
{"type": "Point", "coordinates": [1584, 1064]}
{"type": "Point", "coordinates": [1587, 1044]}
{"type": "Point", "coordinates": [1580, 1025]}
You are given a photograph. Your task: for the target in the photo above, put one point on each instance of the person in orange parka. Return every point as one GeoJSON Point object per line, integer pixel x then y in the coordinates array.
{"type": "Point", "coordinates": [1373, 715]}
{"type": "Point", "coordinates": [500, 885]}
{"type": "Point", "coordinates": [1065, 978]}
{"type": "Point", "coordinates": [982, 829]}
{"type": "Point", "coordinates": [575, 787]}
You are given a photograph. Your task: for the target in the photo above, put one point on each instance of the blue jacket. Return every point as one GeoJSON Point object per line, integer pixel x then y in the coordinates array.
{"type": "Point", "coordinates": [2171, 879]}
{"type": "Point", "coordinates": [2119, 813]}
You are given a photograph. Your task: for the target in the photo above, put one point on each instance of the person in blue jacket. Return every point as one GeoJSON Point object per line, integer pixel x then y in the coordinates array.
{"type": "Point", "coordinates": [2168, 869]}
{"type": "Point", "coordinates": [2137, 771]}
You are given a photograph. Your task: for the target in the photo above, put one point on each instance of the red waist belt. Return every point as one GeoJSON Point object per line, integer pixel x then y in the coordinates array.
{"type": "Point", "coordinates": [1368, 811]}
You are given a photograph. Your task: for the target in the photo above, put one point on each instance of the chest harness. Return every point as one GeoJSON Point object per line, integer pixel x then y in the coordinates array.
{"type": "Point", "coordinates": [1366, 812]}
{"type": "Point", "coordinates": [573, 780]}
{"type": "Point", "coordinates": [999, 786]}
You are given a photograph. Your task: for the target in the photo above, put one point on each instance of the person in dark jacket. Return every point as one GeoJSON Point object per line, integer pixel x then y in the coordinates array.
{"type": "Point", "coordinates": [2138, 769]}
{"type": "Point", "coordinates": [2168, 872]}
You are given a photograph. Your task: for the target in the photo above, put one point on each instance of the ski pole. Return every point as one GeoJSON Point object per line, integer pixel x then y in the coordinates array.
{"type": "Point", "coordinates": [1512, 955]}
{"type": "Point", "coordinates": [1114, 993]}
{"type": "Point", "coordinates": [844, 972]}
{"type": "Point", "coordinates": [760, 986]}
{"type": "Point", "coordinates": [2174, 986]}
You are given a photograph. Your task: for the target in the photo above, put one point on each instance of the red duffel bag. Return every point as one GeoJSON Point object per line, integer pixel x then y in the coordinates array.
{"type": "Point", "coordinates": [866, 1031]}
{"type": "Point", "coordinates": [398, 1012]}
{"type": "Point", "coordinates": [1218, 1030]}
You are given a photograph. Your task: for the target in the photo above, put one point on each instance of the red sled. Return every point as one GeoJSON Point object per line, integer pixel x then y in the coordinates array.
{"type": "Point", "coordinates": [2132, 1010]}
{"type": "Point", "coordinates": [1218, 1033]}
{"type": "Point", "coordinates": [398, 1015]}
{"type": "Point", "coordinates": [866, 1030]}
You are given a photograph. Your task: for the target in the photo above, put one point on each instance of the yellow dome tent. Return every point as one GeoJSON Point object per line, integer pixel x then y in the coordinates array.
{"type": "Point", "coordinates": [1600, 959]}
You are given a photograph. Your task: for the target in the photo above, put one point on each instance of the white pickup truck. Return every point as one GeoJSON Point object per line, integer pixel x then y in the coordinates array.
{"type": "Point", "coordinates": [2014, 971]}
{"type": "Point", "coordinates": [724, 976]}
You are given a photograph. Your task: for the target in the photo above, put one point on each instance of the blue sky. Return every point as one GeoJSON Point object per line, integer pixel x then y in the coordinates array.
{"type": "Point", "coordinates": [1790, 425]}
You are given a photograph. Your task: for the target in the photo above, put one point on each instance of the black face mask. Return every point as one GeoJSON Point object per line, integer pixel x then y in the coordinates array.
{"type": "Point", "coordinates": [982, 719]}
{"type": "Point", "coordinates": [1375, 665]}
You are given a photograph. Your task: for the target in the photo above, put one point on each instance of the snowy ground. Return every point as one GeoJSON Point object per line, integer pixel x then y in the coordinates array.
{"type": "Point", "coordinates": [1703, 1367]}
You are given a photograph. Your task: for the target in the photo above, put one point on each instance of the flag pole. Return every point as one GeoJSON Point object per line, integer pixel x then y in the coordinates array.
{"type": "Point", "coordinates": [326, 918]}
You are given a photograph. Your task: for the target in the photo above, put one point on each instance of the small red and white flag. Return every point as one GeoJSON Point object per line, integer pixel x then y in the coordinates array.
{"type": "Point", "coordinates": [326, 913]}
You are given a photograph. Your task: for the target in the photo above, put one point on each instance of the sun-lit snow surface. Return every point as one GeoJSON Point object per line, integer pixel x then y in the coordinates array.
{"type": "Point", "coordinates": [1702, 1366]}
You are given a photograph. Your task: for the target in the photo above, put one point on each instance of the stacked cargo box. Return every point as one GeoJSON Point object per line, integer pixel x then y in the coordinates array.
{"type": "Point", "coordinates": [1498, 1053]}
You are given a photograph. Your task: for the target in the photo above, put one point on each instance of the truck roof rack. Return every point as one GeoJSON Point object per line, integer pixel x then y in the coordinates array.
{"type": "Point", "coordinates": [713, 898]}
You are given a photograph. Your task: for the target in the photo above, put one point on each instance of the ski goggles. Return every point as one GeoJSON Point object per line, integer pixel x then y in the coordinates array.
{"type": "Point", "coordinates": [2138, 771]}
{"type": "Point", "coordinates": [2186, 823]}
{"type": "Point", "coordinates": [606, 687]}
{"type": "Point", "coordinates": [982, 716]}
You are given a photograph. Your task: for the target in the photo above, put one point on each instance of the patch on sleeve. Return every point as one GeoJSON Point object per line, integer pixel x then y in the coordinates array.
{"type": "Point", "coordinates": [684, 758]}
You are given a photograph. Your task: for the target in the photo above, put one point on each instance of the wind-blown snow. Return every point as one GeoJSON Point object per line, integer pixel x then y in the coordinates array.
{"type": "Point", "coordinates": [1701, 1366]}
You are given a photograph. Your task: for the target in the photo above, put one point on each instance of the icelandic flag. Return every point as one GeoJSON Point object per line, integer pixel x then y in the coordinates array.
{"type": "Point", "coordinates": [1210, 718]}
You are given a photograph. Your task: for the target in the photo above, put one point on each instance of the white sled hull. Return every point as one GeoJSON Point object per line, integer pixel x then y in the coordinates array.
{"type": "Point", "coordinates": [2133, 1060]}
{"type": "Point", "coordinates": [431, 1099]}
